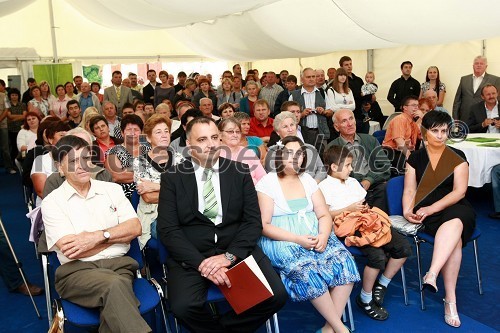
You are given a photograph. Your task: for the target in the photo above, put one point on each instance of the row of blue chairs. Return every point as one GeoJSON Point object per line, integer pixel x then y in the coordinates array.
{"type": "Point", "coordinates": [154, 299]}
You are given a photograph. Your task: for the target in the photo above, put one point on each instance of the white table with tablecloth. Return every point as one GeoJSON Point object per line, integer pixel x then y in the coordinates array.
{"type": "Point", "coordinates": [481, 159]}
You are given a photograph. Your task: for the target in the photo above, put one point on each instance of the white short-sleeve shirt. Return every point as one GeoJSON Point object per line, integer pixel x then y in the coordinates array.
{"type": "Point", "coordinates": [339, 195]}
{"type": "Point", "coordinates": [65, 212]}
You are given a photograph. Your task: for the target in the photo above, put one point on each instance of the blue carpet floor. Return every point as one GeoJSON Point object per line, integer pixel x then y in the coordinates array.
{"type": "Point", "coordinates": [477, 313]}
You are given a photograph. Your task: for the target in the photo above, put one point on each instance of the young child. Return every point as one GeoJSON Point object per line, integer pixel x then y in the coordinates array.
{"type": "Point", "coordinates": [369, 88]}
{"type": "Point", "coordinates": [344, 193]}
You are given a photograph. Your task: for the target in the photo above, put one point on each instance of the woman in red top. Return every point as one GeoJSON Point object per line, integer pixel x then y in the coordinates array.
{"type": "Point", "coordinates": [99, 126]}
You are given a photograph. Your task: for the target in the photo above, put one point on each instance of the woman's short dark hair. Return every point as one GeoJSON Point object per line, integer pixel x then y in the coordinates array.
{"type": "Point", "coordinates": [278, 160]}
{"type": "Point", "coordinates": [14, 91]}
{"type": "Point", "coordinates": [67, 144]}
{"type": "Point", "coordinates": [94, 120]}
{"type": "Point", "coordinates": [46, 123]}
{"type": "Point", "coordinates": [224, 106]}
{"type": "Point", "coordinates": [95, 84]}
{"type": "Point", "coordinates": [56, 126]}
{"type": "Point", "coordinates": [434, 119]}
{"type": "Point", "coordinates": [31, 114]}
{"type": "Point", "coordinates": [131, 119]}
{"type": "Point", "coordinates": [59, 86]}
{"type": "Point", "coordinates": [336, 155]}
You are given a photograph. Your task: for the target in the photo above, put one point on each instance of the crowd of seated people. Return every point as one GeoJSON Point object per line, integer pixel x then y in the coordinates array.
{"type": "Point", "coordinates": [256, 156]}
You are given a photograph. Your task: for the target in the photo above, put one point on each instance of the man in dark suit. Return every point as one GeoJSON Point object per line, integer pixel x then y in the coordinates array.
{"type": "Point", "coordinates": [483, 115]}
{"type": "Point", "coordinates": [469, 89]}
{"type": "Point", "coordinates": [148, 92]}
{"type": "Point", "coordinates": [209, 219]}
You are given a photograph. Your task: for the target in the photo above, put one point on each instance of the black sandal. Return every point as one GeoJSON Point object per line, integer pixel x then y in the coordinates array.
{"type": "Point", "coordinates": [379, 293]}
{"type": "Point", "coordinates": [372, 309]}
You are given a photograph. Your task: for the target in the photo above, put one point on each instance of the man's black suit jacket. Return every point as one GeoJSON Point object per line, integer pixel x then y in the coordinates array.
{"type": "Point", "coordinates": [148, 93]}
{"type": "Point", "coordinates": [188, 235]}
{"type": "Point", "coordinates": [477, 115]}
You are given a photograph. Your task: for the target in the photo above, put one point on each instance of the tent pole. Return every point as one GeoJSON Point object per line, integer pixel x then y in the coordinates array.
{"type": "Point", "coordinates": [483, 47]}
{"type": "Point", "coordinates": [53, 32]}
{"type": "Point", "coordinates": [369, 59]}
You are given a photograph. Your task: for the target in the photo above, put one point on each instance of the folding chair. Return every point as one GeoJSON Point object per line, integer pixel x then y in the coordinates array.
{"type": "Point", "coordinates": [394, 191]}
{"type": "Point", "coordinates": [389, 119]}
{"type": "Point", "coordinates": [149, 294]}
{"type": "Point", "coordinates": [379, 135]}
{"type": "Point", "coordinates": [214, 294]}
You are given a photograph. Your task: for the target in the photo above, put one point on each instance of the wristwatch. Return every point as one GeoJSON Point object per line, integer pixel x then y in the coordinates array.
{"type": "Point", "coordinates": [106, 235]}
{"type": "Point", "coordinates": [230, 257]}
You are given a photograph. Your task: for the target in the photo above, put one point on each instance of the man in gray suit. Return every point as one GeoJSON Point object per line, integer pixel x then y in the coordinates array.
{"type": "Point", "coordinates": [469, 89]}
{"type": "Point", "coordinates": [117, 93]}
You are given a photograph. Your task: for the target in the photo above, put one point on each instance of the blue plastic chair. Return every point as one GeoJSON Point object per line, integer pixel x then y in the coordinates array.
{"type": "Point", "coordinates": [147, 292]}
{"type": "Point", "coordinates": [379, 135]}
{"type": "Point", "coordinates": [394, 191]}
{"type": "Point", "coordinates": [214, 294]}
{"type": "Point", "coordinates": [134, 199]}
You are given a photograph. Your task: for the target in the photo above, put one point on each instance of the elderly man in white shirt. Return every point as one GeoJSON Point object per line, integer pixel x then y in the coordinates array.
{"type": "Point", "coordinates": [90, 224]}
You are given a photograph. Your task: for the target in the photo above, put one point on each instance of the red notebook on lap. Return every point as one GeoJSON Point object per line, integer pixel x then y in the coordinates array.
{"type": "Point", "coordinates": [249, 286]}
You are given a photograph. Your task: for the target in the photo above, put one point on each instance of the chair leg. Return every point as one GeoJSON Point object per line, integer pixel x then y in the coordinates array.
{"type": "Point", "coordinates": [159, 290]}
{"type": "Point", "coordinates": [478, 271]}
{"type": "Point", "coordinates": [268, 326]}
{"type": "Point", "coordinates": [276, 323]}
{"type": "Point", "coordinates": [419, 266]}
{"type": "Point", "coordinates": [403, 281]}
{"type": "Point", "coordinates": [47, 289]}
{"type": "Point", "coordinates": [351, 318]}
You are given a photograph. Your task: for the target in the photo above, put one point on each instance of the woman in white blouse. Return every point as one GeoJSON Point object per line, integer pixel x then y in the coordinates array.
{"type": "Point", "coordinates": [27, 135]}
{"type": "Point", "coordinates": [339, 95]}
{"type": "Point", "coordinates": [58, 107]}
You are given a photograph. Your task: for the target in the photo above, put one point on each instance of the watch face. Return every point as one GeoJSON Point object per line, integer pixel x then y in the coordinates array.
{"type": "Point", "coordinates": [107, 234]}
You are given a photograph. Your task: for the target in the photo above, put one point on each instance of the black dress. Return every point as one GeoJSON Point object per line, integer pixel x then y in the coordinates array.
{"type": "Point", "coordinates": [433, 185]}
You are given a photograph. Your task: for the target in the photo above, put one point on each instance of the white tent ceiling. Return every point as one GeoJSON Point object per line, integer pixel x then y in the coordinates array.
{"type": "Point", "coordinates": [242, 30]}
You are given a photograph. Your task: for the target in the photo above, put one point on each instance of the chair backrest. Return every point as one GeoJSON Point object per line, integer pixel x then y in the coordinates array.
{"type": "Point", "coordinates": [135, 252]}
{"type": "Point", "coordinates": [379, 135]}
{"type": "Point", "coordinates": [135, 199]}
{"type": "Point", "coordinates": [391, 117]}
{"type": "Point", "coordinates": [394, 194]}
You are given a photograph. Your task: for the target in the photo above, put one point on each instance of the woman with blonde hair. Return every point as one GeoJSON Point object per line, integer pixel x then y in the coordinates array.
{"type": "Point", "coordinates": [247, 102]}
{"type": "Point", "coordinates": [148, 168]}
{"type": "Point", "coordinates": [45, 92]}
{"type": "Point", "coordinates": [226, 96]}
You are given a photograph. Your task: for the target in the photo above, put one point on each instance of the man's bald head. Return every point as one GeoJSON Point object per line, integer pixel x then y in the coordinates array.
{"type": "Point", "coordinates": [431, 95]}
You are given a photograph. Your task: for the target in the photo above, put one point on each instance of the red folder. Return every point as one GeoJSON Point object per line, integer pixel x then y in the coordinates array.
{"type": "Point", "coordinates": [249, 286]}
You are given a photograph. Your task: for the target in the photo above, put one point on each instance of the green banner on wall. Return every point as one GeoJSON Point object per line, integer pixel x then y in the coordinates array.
{"type": "Point", "coordinates": [54, 74]}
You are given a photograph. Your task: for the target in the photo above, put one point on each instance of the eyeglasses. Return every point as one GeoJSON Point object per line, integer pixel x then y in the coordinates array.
{"type": "Point", "coordinates": [345, 101]}
{"type": "Point", "coordinates": [415, 105]}
{"type": "Point", "coordinates": [232, 132]}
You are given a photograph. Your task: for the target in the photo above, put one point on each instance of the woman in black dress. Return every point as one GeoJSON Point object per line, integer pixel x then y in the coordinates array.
{"type": "Point", "coordinates": [434, 195]}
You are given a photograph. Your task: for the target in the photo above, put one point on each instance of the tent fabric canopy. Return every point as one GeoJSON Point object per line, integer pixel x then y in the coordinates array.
{"type": "Point", "coordinates": [267, 29]}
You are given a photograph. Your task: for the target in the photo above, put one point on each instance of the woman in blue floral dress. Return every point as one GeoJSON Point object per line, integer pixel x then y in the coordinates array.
{"type": "Point", "coordinates": [298, 238]}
